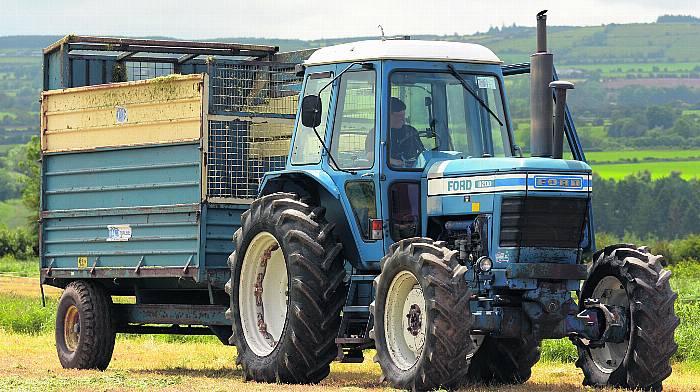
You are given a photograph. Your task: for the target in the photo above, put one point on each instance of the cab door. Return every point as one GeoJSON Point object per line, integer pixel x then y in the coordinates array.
{"type": "Point", "coordinates": [355, 156]}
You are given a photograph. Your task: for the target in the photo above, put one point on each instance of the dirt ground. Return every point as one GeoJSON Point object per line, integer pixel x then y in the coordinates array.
{"type": "Point", "coordinates": [29, 363]}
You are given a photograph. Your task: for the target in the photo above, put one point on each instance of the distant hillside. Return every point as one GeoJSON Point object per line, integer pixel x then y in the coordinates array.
{"type": "Point", "coordinates": [677, 40]}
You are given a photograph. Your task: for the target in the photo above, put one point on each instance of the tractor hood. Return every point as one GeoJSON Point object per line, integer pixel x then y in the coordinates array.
{"type": "Point", "coordinates": [459, 167]}
{"type": "Point", "coordinates": [486, 175]}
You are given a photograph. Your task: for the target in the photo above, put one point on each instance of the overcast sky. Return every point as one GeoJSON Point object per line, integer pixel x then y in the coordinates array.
{"type": "Point", "coordinates": [312, 19]}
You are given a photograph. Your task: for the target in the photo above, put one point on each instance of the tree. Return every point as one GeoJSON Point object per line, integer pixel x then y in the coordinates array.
{"type": "Point", "coordinates": [32, 181]}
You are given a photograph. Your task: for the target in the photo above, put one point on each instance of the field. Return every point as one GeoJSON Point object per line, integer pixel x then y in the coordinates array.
{"type": "Point", "coordinates": [660, 163]}
{"type": "Point", "coordinates": [688, 169]}
{"type": "Point", "coordinates": [13, 213]}
{"type": "Point", "coordinates": [28, 359]}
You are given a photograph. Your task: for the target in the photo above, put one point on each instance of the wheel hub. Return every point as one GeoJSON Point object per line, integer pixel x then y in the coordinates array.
{"type": "Point", "coordinates": [414, 320]}
{"type": "Point", "coordinates": [610, 292]}
{"type": "Point", "coordinates": [404, 324]}
{"type": "Point", "coordinates": [258, 294]}
{"type": "Point", "coordinates": [263, 294]}
{"type": "Point", "coordinates": [71, 328]}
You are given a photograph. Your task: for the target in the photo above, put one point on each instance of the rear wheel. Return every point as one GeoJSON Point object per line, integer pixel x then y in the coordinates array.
{"type": "Point", "coordinates": [635, 280]}
{"type": "Point", "coordinates": [286, 291]}
{"type": "Point", "coordinates": [84, 331]}
{"type": "Point", "coordinates": [421, 316]}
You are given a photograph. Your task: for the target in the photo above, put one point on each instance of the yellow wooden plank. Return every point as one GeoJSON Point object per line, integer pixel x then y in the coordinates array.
{"type": "Point", "coordinates": [273, 148]}
{"type": "Point", "coordinates": [155, 111]}
{"type": "Point", "coordinates": [262, 130]}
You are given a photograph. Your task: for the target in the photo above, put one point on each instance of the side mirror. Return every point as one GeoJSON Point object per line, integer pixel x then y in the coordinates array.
{"type": "Point", "coordinates": [311, 111]}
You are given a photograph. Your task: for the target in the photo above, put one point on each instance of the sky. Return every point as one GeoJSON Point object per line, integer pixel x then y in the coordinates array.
{"type": "Point", "coordinates": [313, 19]}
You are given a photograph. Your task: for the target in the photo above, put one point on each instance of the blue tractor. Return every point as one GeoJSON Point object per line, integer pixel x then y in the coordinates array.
{"type": "Point", "coordinates": [406, 219]}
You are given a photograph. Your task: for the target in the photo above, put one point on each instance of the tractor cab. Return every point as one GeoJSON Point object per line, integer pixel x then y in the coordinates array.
{"type": "Point", "coordinates": [416, 135]}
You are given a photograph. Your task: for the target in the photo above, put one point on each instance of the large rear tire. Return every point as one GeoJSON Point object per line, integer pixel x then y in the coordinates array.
{"type": "Point", "coordinates": [84, 331]}
{"type": "Point", "coordinates": [287, 291]}
{"type": "Point", "coordinates": [624, 276]}
{"type": "Point", "coordinates": [421, 316]}
{"type": "Point", "coordinates": [504, 361]}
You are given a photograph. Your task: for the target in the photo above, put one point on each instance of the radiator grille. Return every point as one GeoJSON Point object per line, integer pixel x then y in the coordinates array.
{"type": "Point", "coordinates": [542, 222]}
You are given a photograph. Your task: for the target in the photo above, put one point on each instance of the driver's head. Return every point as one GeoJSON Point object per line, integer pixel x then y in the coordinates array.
{"type": "Point", "coordinates": [397, 113]}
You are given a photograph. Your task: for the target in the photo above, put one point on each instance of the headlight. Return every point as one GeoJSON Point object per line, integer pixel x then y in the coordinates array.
{"type": "Point", "coordinates": [484, 263]}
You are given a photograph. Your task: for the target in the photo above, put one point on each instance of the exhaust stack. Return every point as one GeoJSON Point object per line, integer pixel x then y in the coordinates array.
{"type": "Point", "coordinates": [541, 67]}
{"type": "Point", "coordinates": [560, 88]}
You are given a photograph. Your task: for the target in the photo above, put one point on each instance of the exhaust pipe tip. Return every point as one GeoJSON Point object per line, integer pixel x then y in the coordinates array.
{"type": "Point", "coordinates": [542, 31]}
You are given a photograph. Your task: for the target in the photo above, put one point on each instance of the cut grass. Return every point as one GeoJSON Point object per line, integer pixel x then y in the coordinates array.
{"type": "Point", "coordinates": [30, 363]}
{"type": "Point", "coordinates": [146, 362]}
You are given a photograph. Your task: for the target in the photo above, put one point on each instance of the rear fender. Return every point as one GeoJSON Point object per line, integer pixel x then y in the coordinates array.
{"type": "Point", "coordinates": [318, 186]}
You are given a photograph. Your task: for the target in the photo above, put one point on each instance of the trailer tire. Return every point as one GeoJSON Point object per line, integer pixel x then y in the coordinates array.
{"type": "Point", "coordinates": [294, 239]}
{"type": "Point", "coordinates": [504, 361]}
{"type": "Point", "coordinates": [638, 277]}
{"type": "Point", "coordinates": [422, 273]}
{"type": "Point", "coordinates": [84, 331]}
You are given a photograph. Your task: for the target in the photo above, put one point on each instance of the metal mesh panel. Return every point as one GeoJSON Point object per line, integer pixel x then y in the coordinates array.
{"type": "Point", "coordinates": [240, 153]}
{"type": "Point", "coordinates": [137, 70]}
{"type": "Point", "coordinates": [254, 87]}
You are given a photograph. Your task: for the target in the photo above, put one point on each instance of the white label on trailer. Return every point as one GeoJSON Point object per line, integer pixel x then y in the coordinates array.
{"type": "Point", "coordinates": [486, 82]}
{"type": "Point", "coordinates": [119, 233]}
{"type": "Point", "coordinates": [122, 115]}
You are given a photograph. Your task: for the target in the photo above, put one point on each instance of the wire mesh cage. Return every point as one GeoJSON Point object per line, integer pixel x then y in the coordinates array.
{"type": "Point", "coordinates": [240, 153]}
{"type": "Point", "coordinates": [254, 87]}
{"type": "Point", "coordinates": [258, 101]}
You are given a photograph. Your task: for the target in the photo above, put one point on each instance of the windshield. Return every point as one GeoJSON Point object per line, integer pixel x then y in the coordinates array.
{"type": "Point", "coordinates": [433, 114]}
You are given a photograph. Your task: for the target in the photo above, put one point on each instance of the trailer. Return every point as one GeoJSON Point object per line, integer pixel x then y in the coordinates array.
{"type": "Point", "coordinates": [151, 150]}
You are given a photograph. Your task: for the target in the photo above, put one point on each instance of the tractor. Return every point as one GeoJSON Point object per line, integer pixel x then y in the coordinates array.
{"type": "Point", "coordinates": [406, 219]}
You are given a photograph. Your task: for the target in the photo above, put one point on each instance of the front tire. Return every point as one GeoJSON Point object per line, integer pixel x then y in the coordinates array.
{"type": "Point", "coordinates": [287, 291]}
{"type": "Point", "coordinates": [633, 278]}
{"type": "Point", "coordinates": [84, 331]}
{"type": "Point", "coordinates": [421, 316]}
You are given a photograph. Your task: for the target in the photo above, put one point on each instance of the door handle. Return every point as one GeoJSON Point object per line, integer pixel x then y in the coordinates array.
{"type": "Point", "coordinates": [367, 175]}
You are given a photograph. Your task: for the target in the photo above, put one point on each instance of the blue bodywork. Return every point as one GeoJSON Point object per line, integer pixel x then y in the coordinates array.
{"type": "Point", "coordinates": [458, 191]}
{"type": "Point", "coordinates": [332, 181]}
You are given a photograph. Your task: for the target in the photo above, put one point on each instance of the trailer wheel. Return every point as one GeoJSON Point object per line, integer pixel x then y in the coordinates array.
{"type": "Point", "coordinates": [287, 290]}
{"type": "Point", "coordinates": [635, 279]}
{"type": "Point", "coordinates": [504, 361]}
{"type": "Point", "coordinates": [421, 316]}
{"type": "Point", "coordinates": [84, 331]}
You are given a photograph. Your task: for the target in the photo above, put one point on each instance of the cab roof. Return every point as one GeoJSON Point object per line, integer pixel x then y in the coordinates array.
{"type": "Point", "coordinates": [403, 50]}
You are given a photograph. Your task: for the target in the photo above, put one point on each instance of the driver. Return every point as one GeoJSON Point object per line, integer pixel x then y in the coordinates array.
{"type": "Point", "coordinates": [404, 143]}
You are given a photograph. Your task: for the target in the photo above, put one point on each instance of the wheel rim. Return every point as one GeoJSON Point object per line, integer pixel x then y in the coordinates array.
{"type": "Point", "coordinates": [263, 294]}
{"type": "Point", "coordinates": [405, 320]}
{"type": "Point", "coordinates": [71, 328]}
{"type": "Point", "coordinates": [610, 291]}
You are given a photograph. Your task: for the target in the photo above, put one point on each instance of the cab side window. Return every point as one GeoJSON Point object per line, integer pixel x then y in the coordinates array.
{"type": "Point", "coordinates": [353, 130]}
{"type": "Point", "coordinates": [307, 148]}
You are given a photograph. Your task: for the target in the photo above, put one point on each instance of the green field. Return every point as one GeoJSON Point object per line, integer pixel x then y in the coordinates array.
{"type": "Point", "coordinates": [621, 70]}
{"type": "Point", "coordinates": [617, 171]}
{"type": "Point", "coordinates": [612, 156]}
{"type": "Point", "coordinates": [13, 214]}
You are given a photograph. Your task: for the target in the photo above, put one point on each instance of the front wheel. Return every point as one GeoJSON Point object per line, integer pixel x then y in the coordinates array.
{"type": "Point", "coordinates": [634, 280]}
{"type": "Point", "coordinates": [421, 316]}
{"type": "Point", "coordinates": [287, 291]}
